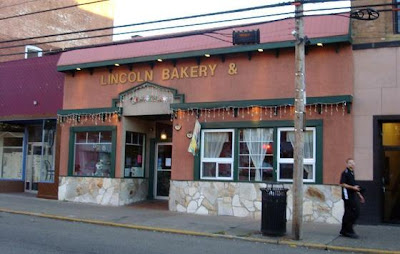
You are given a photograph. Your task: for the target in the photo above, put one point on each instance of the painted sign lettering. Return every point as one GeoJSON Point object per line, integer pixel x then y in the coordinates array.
{"type": "Point", "coordinates": [195, 71]}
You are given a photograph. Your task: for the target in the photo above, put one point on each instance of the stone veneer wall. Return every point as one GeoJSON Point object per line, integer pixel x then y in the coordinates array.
{"type": "Point", "coordinates": [102, 191]}
{"type": "Point", "coordinates": [322, 203]}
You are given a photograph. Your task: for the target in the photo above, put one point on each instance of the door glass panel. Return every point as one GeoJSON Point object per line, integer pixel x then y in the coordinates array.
{"type": "Point", "coordinates": [391, 134]}
{"type": "Point", "coordinates": [391, 181]}
{"type": "Point", "coordinates": [33, 167]}
{"type": "Point", "coordinates": [164, 163]}
{"type": "Point", "coordinates": [164, 157]}
{"type": "Point", "coordinates": [47, 170]}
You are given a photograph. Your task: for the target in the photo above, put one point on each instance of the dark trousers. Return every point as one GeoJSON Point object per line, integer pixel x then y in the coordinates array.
{"type": "Point", "coordinates": [351, 213]}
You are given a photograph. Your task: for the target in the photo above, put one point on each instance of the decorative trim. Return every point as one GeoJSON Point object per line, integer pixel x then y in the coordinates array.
{"type": "Point", "coordinates": [348, 99]}
{"type": "Point", "coordinates": [176, 95]}
{"type": "Point", "coordinates": [374, 45]}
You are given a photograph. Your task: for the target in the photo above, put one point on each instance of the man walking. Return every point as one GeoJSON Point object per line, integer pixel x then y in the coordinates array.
{"type": "Point", "coordinates": [350, 190]}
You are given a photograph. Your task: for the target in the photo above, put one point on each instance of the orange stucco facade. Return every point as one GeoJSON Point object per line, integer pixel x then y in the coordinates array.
{"type": "Point", "coordinates": [259, 76]}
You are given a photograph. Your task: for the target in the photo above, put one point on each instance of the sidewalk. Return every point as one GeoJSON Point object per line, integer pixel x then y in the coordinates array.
{"type": "Point", "coordinates": [155, 216]}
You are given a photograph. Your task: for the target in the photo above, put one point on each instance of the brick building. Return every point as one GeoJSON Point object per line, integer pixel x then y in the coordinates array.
{"type": "Point", "coordinates": [17, 24]}
{"type": "Point", "coordinates": [376, 109]}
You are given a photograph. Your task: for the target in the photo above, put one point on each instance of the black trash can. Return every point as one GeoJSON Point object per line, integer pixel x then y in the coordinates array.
{"type": "Point", "coordinates": [273, 210]}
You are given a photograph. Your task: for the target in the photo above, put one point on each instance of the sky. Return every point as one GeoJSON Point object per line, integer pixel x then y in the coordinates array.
{"type": "Point", "coordinates": [133, 12]}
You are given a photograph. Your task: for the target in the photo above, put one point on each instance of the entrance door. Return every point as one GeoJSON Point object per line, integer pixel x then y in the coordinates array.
{"type": "Point", "coordinates": [162, 174]}
{"type": "Point", "coordinates": [391, 172]}
{"type": "Point", "coordinates": [33, 166]}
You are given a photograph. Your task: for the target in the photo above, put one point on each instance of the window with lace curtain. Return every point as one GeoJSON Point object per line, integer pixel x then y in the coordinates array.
{"type": "Point", "coordinates": [262, 154]}
{"type": "Point", "coordinates": [285, 157]}
{"type": "Point", "coordinates": [217, 154]}
{"type": "Point", "coordinates": [256, 154]}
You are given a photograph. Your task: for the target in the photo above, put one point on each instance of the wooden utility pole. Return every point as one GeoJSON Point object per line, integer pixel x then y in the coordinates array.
{"type": "Point", "coordinates": [300, 97]}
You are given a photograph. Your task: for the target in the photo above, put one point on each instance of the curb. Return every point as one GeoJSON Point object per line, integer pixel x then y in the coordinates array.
{"type": "Point", "coordinates": [290, 243]}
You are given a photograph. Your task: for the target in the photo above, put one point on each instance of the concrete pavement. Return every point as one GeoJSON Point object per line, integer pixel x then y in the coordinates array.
{"type": "Point", "coordinates": [154, 216]}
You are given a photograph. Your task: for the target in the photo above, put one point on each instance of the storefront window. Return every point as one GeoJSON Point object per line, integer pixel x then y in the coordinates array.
{"type": "Point", "coordinates": [217, 154]}
{"type": "Point", "coordinates": [92, 153]}
{"type": "Point", "coordinates": [47, 172]}
{"type": "Point", "coordinates": [256, 154]}
{"type": "Point", "coordinates": [134, 154]}
{"type": "Point", "coordinates": [285, 154]}
{"type": "Point", "coordinates": [262, 154]}
{"type": "Point", "coordinates": [11, 144]}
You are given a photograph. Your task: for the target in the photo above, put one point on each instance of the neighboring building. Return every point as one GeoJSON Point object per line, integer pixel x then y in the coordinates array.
{"type": "Point", "coordinates": [15, 25]}
{"type": "Point", "coordinates": [31, 92]}
{"type": "Point", "coordinates": [130, 109]}
{"type": "Point", "coordinates": [376, 49]}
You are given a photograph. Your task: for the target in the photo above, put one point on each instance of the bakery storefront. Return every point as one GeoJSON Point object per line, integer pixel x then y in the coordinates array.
{"type": "Point", "coordinates": [205, 124]}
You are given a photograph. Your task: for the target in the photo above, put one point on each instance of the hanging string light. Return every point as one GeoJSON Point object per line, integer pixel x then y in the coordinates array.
{"type": "Point", "coordinates": [257, 110]}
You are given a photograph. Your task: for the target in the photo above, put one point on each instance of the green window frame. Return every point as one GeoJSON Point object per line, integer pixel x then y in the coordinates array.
{"type": "Point", "coordinates": [134, 159]}
{"type": "Point", "coordinates": [218, 156]}
{"type": "Point", "coordinates": [317, 127]}
{"type": "Point", "coordinates": [89, 129]}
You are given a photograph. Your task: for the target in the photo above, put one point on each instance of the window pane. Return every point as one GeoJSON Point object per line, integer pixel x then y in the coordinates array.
{"type": "Point", "coordinates": [258, 144]}
{"type": "Point", "coordinates": [81, 137]}
{"type": "Point", "coordinates": [224, 170]}
{"type": "Point", "coordinates": [244, 161]}
{"type": "Point", "coordinates": [133, 156]}
{"type": "Point", "coordinates": [286, 171]}
{"type": "Point", "coordinates": [140, 138]}
{"type": "Point", "coordinates": [308, 145]}
{"type": "Point", "coordinates": [308, 172]}
{"type": "Point", "coordinates": [391, 134]}
{"type": "Point", "coordinates": [105, 137]}
{"type": "Point", "coordinates": [267, 174]}
{"type": "Point", "coordinates": [243, 174]}
{"type": "Point", "coordinates": [243, 148]}
{"type": "Point", "coordinates": [92, 159]}
{"type": "Point", "coordinates": [268, 162]}
{"type": "Point", "coordinates": [11, 166]}
{"type": "Point", "coordinates": [135, 139]}
{"type": "Point", "coordinates": [218, 145]}
{"type": "Point", "coordinates": [47, 170]}
{"type": "Point", "coordinates": [128, 138]}
{"type": "Point", "coordinates": [209, 169]}
{"type": "Point", "coordinates": [286, 140]}
{"type": "Point", "coordinates": [12, 141]}
{"type": "Point", "coordinates": [93, 137]}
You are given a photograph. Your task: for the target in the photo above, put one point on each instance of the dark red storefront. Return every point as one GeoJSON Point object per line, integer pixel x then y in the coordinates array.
{"type": "Point", "coordinates": [31, 92]}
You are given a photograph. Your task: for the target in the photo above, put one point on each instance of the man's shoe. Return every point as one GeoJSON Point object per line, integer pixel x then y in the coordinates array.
{"type": "Point", "coordinates": [349, 235]}
{"type": "Point", "coordinates": [353, 235]}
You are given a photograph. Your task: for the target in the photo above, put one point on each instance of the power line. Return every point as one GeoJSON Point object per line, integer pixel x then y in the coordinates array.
{"type": "Point", "coordinates": [193, 16]}
{"type": "Point", "coordinates": [163, 37]}
{"type": "Point", "coordinates": [188, 25]}
{"type": "Point", "coordinates": [12, 5]}
{"type": "Point", "coordinates": [155, 29]}
{"type": "Point", "coordinates": [159, 21]}
{"type": "Point", "coordinates": [180, 26]}
{"type": "Point", "coordinates": [48, 10]}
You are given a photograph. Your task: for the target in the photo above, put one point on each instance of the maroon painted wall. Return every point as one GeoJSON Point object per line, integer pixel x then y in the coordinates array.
{"type": "Point", "coordinates": [24, 81]}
